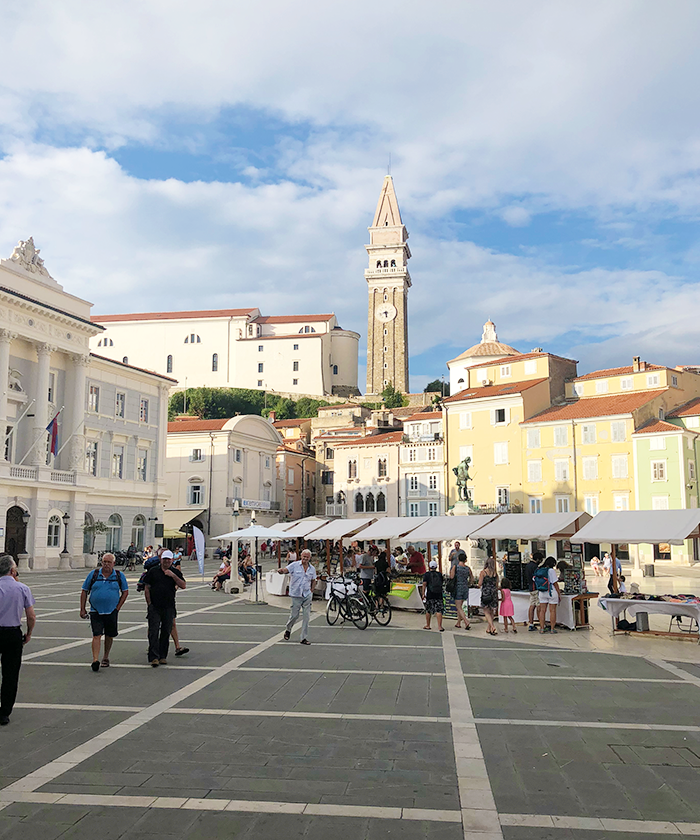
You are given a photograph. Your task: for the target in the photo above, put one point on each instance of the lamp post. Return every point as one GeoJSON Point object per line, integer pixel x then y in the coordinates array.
{"type": "Point", "coordinates": [64, 558]}
{"type": "Point", "coordinates": [23, 557]}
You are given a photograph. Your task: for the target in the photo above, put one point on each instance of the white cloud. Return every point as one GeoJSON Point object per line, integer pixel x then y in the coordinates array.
{"type": "Point", "coordinates": [516, 216]}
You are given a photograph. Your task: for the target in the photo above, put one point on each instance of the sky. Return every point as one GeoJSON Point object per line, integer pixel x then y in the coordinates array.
{"type": "Point", "coordinates": [221, 154]}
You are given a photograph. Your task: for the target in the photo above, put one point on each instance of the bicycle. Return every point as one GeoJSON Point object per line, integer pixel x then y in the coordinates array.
{"type": "Point", "coordinates": [378, 606]}
{"type": "Point", "coordinates": [348, 605]}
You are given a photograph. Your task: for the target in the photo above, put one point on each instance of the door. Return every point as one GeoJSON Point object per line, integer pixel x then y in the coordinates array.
{"type": "Point", "coordinates": [15, 532]}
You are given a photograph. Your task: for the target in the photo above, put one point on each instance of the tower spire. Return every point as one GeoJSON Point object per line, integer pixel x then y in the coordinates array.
{"type": "Point", "coordinates": [387, 213]}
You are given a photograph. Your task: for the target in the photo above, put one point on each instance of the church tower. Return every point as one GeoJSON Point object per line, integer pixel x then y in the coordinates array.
{"type": "Point", "coordinates": [388, 282]}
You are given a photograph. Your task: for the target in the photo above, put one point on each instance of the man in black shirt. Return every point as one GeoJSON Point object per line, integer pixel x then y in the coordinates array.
{"type": "Point", "coordinates": [161, 583]}
{"type": "Point", "coordinates": [530, 570]}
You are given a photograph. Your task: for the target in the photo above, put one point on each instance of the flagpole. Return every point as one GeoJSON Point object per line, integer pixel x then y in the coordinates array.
{"type": "Point", "coordinates": [43, 433]}
{"type": "Point", "coordinates": [21, 417]}
{"type": "Point", "coordinates": [68, 439]}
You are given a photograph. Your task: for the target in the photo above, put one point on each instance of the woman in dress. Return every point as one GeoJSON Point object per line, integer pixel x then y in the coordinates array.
{"type": "Point", "coordinates": [507, 610]}
{"type": "Point", "coordinates": [462, 576]}
{"type": "Point", "coordinates": [488, 583]}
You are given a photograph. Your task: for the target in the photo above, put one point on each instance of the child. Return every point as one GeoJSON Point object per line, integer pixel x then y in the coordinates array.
{"type": "Point", "coordinates": [506, 609]}
{"type": "Point", "coordinates": [621, 588]}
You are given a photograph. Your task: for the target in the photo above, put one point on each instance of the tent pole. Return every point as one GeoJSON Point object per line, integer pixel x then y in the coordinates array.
{"type": "Point", "coordinates": [279, 554]}
{"type": "Point", "coordinates": [440, 555]}
{"type": "Point", "coordinates": [328, 557]}
{"type": "Point", "coordinates": [614, 568]}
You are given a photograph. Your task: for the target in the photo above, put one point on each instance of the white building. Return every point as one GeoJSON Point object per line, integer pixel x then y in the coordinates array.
{"type": "Point", "coordinates": [486, 351]}
{"type": "Point", "coordinates": [367, 475]}
{"type": "Point", "coordinates": [221, 471]}
{"type": "Point", "coordinates": [422, 466]}
{"type": "Point", "coordinates": [109, 471]}
{"type": "Point", "coordinates": [237, 348]}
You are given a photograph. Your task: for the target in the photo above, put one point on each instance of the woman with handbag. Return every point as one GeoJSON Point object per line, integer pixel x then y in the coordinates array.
{"type": "Point", "coordinates": [458, 586]}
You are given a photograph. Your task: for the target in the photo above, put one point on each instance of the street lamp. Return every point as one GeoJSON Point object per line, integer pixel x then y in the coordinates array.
{"type": "Point", "coordinates": [26, 516]}
{"type": "Point", "coordinates": [66, 519]}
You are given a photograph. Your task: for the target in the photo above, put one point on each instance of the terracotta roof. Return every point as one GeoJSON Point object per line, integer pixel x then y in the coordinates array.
{"type": "Point", "coordinates": [494, 390]}
{"type": "Point", "coordinates": [620, 371]}
{"type": "Point", "coordinates": [487, 348]}
{"type": "Point", "coordinates": [290, 319]}
{"type": "Point", "coordinates": [295, 421]}
{"type": "Point", "coordinates": [657, 427]}
{"type": "Point", "coordinates": [133, 367]}
{"type": "Point", "coordinates": [689, 409]}
{"type": "Point", "coordinates": [171, 316]}
{"type": "Point", "coordinates": [196, 425]}
{"type": "Point", "coordinates": [595, 407]}
{"type": "Point", "coordinates": [425, 415]}
{"type": "Point", "coordinates": [376, 440]}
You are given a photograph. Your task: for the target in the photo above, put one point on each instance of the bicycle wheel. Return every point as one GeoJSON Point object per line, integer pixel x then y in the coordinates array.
{"type": "Point", "coordinates": [382, 615]}
{"type": "Point", "coordinates": [333, 610]}
{"type": "Point", "coordinates": [358, 613]}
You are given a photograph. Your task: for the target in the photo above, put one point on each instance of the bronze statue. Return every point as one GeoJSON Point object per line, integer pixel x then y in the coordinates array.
{"type": "Point", "coordinates": [462, 473]}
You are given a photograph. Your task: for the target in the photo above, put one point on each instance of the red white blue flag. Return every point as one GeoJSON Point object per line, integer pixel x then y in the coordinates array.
{"type": "Point", "coordinates": [52, 429]}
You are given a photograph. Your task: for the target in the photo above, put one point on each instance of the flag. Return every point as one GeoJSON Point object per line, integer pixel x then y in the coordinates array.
{"type": "Point", "coordinates": [198, 535]}
{"type": "Point", "coordinates": [52, 429]}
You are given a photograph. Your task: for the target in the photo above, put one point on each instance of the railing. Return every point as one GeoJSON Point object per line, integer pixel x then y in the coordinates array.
{"type": "Point", "coordinates": [515, 507]}
{"type": "Point", "coordinates": [63, 477]}
{"type": "Point", "coordinates": [30, 473]}
{"type": "Point", "coordinates": [336, 509]}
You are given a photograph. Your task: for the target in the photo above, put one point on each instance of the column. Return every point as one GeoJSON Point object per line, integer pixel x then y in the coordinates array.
{"type": "Point", "coordinates": [76, 447]}
{"type": "Point", "coordinates": [41, 406]}
{"type": "Point", "coordinates": [5, 340]}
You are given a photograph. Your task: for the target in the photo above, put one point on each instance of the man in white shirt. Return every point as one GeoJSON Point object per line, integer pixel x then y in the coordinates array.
{"type": "Point", "coordinates": [302, 579]}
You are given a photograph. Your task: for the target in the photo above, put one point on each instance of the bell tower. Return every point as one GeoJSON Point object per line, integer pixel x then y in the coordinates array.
{"type": "Point", "coordinates": [388, 282]}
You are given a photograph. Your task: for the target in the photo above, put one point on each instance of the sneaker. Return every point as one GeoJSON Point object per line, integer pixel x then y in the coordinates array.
{"type": "Point", "coordinates": [162, 661]}
{"type": "Point", "coordinates": [155, 663]}
{"type": "Point", "coordinates": [532, 628]}
{"type": "Point", "coordinates": [96, 665]}
{"type": "Point", "coordinates": [4, 720]}
{"type": "Point", "coordinates": [181, 651]}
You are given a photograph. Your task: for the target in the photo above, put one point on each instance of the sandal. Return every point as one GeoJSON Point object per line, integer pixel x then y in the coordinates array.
{"type": "Point", "coordinates": [467, 627]}
{"type": "Point", "coordinates": [426, 628]}
{"type": "Point", "coordinates": [105, 663]}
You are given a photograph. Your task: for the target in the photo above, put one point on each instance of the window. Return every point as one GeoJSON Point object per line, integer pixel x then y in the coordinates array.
{"type": "Point", "coordinates": [53, 536]}
{"type": "Point", "coordinates": [114, 532]}
{"type": "Point", "coordinates": [215, 362]}
{"type": "Point", "coordinates": [431, 453]}
{"type": "Point", "coordinates": [601, 386]}
{"type": "Point", "coordinates": [500, 453]}
{"type": "Point", "coordinates": [381, 468]}
{"type": "Point", "coordinates": [533, 438]}
{"type": "Point", "coordinates": [381, 502]}
{"type": "Point", "coordinates": [52, 387]}
{"type": "Point", "coordinates": [590, 504]}
{"type": "Point", "coordinates": [119, 405]}
{"type": "Point", "coordinates": [327, 477]}
{"type": "Point", "coordinates": [561, 436]}
{"type": "Point", "coordinates": [466, 452]}
{"type": "Point", "coordinates": [561, 469]}
{"type": "Point", "coordinates": [626, 383]}
{"type": "Point", "coordinates": [691, 470]}
{"type": "Point", "coordinates": [674, 380]}
{"type": "Point", "coordinates": [578, 389]}
{"type": "Point", "coordinates": [260, 347]}
{"type": "Point", "coordinates": [657, 442]}
{"type": "Point", "coordinates": [295, 381]}
{"type": "Point", "coordinates": [411, 454]}
{"type": "Point", "coordinates": [352, 469]}
{"type": "Point", "coordinates": [143, 411]}
{"type": "Point", "coordinates": [94, 399]}
{"type": "Point", "coordinates": [619, 466]}
{"type": "Point", "coordinates": [359, 503]}
{"type": "Point", "coordinates": [260, 383]}
{"type": "Point", "coordinates": [290, 476]}
{"type": "Point", "coordinates": [502, 496]}
{"type": "Point", "coordinates": [659, 502]}
{"type": "Point", "coordinates": [562, 503]}
{"type": "Point", "coordinates": [295, 347]}
{"type": "Point", "coordinates": [125, 360]}
{"type": "Point", "coordinates": [588, 434]}
{"type": "Point", "coordinates": [138, 528]}
{"type": "Point", "coordinates": [330, 453]}
{"type": "Point", "coordinates": [295, 366]}
{"type": "Point", "coordinates": [498, 416]}
{"type": "Point", "coordinates": [621, 501]}
{"type": "Point", "coordinates": [535, 504]}
{"type": "Point", "coordinates": [505, 370]}
{"type": "Point", "coordinates": [260, 367]}
{"type": "Point", "coordinates": [142, 465]}
{"type": "Point", "coordinates": [652, 380]}
{"type": "Point", "coordinates": [238, 455]}
{"type": "Point", "coordinates": [267, 462]}
{"type": "Point", "coordinates": [432, 508]}
{"type": "Point", "coordinates": [413, 483]}
{"type": "Point", "coordinates": [618, 431]}
{"type": "Point", "coordinates": [465, 419]}
{"type": "Point", "coordinates": [530, 367]}
{"type": "Point", "coordinates": [413, 509]}
{"type": "Point", "coordinates": [335, 370]}
{"type": "Point", "coordinates": [118, 462]}
{"type": "Point", "coordinates": [196, 455]}
{"type": "Point", "coordinates": [8, 443]}
{"type": "Point", "coordinates": [534, 470]}
{"type": "Point", "coordinates": [196, 494]}
{"type": "Point", "coordinates": [91, 458]}
{"type": "Point", "coordinates": [432, 482]}
{"type": "Point", "coordinates": [369, 503]}
{"type": "Point", "coordinates": [590, 468]}
{"type": "Point", "coordinates": [169, 364]}
{"type": "Point", "coordinates": [658, 470]}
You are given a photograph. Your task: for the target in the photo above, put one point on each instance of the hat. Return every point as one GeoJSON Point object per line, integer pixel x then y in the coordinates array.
{"type": "Point", "coordinates": [167, 553]}
{"type": "Point", "coordinates": [433, 564]}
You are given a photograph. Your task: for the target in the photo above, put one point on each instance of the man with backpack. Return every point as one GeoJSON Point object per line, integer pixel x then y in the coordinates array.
{"type": "Point", "coordinates": [548, 592]}
{"type": "Point", "coordinates": [432, 596]}
{"type": "Point", "coordinates": [529, 571]}
{"type": "Point", "coordinates": [107, 589]}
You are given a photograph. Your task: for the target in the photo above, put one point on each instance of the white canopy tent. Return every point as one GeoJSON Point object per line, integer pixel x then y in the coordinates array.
{"type": "Point", "coordinates": [441, 528]}
{"type": "Point", "coordinates": [303, 527]}
{"type": "Point", "coordinates": [533, 526]}
{"type": "Point", "coordinates": [641, 526]}
{"type": "Point", "coordinates": [338, 529]}
{"type": "Point", "coordinates": [393, 527]}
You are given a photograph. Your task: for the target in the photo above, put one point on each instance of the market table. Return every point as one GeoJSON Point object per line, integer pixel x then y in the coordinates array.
{"type": "Point", "coordinates": [616, 606]}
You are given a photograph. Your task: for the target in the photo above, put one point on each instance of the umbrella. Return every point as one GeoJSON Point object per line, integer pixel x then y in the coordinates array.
{"type": "Point", "coordinates": [253, 532]}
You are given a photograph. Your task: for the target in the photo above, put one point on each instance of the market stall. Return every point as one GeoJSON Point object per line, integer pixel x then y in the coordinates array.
{"type": "Point", "coordinates": [338, 530]}
{"type": "Point", "coordinates": [252, 534]}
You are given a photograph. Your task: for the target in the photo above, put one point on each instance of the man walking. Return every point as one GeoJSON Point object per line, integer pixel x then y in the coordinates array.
{"type": "Point", "coordinates": [107, 589]}
{"type": "Point", "coordinates": [160, 585]}
{"type": "Point", "coordinates": [15, 598]}
{"type": "Point", "coordinates": [302, 578]}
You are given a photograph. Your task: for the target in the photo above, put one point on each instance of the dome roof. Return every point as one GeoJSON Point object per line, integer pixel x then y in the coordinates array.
{"type": "Point", "coordinates": [488, 347]}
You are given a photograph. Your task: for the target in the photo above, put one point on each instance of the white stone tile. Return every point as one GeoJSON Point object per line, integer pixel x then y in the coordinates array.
{"type": "Point", "coordinates": [169, 802]}
{"type": "Point", "coordinates": [640, 826]}
{"type": "Point", "coordinates": [534, 820]}
{"type": "Point", "coordinates": [265, 807]}
{"type": "Point", "coordinates": [431, 815]}
{"type": "Point", "coordinates": [475, 819]}
{"type": "Point", "coordinates": [467, 786]}
{"type": "Point", "coordinates": [584, 823]}
{"type": "Point", "coordinates": [471, 767]}
{"type": "Point", "coordinates": [206, 804]}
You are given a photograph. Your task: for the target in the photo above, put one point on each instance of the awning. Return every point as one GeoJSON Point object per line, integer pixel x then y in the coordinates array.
{"type": "Point", "coordinates": [303, 527]}
{"type": "Point", "coordinates": [173, 535]}
{"type": "Point", "coordinates": [439, 528]}
{"type": "Point", "coordinates": [338, 529]}
{"type": "Point", "coordinates": [393, 527]}
{"type": "Point", "coordinates": [641, 526]}
{"type": "Point", "coordinates": [173, 520]}
{"type": "Point", "coordinates": [533, 526]}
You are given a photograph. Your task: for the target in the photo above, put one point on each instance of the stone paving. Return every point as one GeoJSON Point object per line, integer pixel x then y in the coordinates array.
{"type": "Point", "coordinates": [364, 735]}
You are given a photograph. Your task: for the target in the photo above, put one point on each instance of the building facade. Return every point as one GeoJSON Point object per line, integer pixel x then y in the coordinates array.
{"type": "Point", "coordinates": [102, 485]}
{"type": "Point", "coordinates": [422, 466]}
{"type": "Point", "coordinates": [367, 475]}
{"type": "Point", "coordinates": [299, 355]}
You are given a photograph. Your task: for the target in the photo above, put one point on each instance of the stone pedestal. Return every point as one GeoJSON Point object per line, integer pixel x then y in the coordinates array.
{"type": "Point", "coordinates": [64, 562]}
{"type": "Point", "coordinates": [462, 509]}
{"type": "Point", "coordinates": [89, 560]}
{"type": "Point", "coordinates": [23, 562]}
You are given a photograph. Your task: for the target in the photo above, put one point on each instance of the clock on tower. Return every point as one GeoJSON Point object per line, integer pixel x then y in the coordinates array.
{"type": "Point", "coordinates": [388, 282]}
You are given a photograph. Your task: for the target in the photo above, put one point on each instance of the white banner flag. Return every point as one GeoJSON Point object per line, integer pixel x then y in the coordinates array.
{"type": "Point", "coordinates": [198, 535]}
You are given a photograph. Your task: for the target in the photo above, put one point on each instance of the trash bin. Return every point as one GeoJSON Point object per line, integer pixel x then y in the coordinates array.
{"type": "Point", "coordinates": [648, 570]}
{"type": "Point", "coordinates": [643, 620]}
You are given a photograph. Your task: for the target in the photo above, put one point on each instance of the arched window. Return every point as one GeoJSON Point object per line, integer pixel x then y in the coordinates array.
{"type": "Point", "coordinates": [111, 343]}
{"type": "Point", "coordinates": [192, 338]}
{"type": "Point", "coordinates": [359, 503]}
{"type": "Point", "coordinates": [114, 532]}
{"type": "Point", "coordinates": [138, 529]}
{"type": "Point", "coordinates": [352, 469]}
{"type": "Point", "coordinates": [88, 533]}
{"type": "Point", "coordinates": [460, 381]}
{"type": "Point", "coordinates": [215, 362]}
{"type": "Point", "coordinates": [53, 536]}
{"type": "Point", "coordinates": [335, 370]}
{"type": "Point", "coordinates": [369, 503]}
{"type": "Point", "coordinates": [99, 343]}
{"type": "Point", "coordinates": [381, 468]}
{"type": "Point", "coordinates": [379, 263]}
{"type": "Point", "coordinates": [125, 360]}
{"type": "Point", "coordinates": [386, 263]}
{"type": "Point", "coordinates": [381, 503]}
{"type": "Point", "coordinates": [169, 364]}
{"type": "Point", "coordinates": [393, 263]}
{"type": "Point", "coordinates": [187, 339]}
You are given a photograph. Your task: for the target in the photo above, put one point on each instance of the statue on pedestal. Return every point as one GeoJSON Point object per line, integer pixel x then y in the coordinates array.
{"type": "Point", "coordinates": [462, 473]}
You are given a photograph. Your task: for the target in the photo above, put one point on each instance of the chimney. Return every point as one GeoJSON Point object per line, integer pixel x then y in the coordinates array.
{"type": "Point", "coordinates": [635, 364]}
{"type": "Point", "coordinates": [642, 366]}
{"type": "Point", "coordinates": [273, 416]}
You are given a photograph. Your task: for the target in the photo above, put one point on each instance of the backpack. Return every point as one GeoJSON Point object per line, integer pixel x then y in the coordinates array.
{"type": "Point", "coordinates": [149, 564]}
{"type": "Point", "coordinates": [434, 588]}
{"type": "Point", "coordinates": [382, 584]}
{"type": "Point", "coordinates": [97, 572]}
{"type": "Point", "coordinates": [541, 579]}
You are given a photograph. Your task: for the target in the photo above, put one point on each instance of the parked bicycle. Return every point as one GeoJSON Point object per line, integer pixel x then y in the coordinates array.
{"type": "Point", "coordinates": [377, 605]}
{"type": "Point", "coordinates": [346, 603]}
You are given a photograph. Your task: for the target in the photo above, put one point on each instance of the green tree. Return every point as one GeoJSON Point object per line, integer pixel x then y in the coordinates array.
{"type": "Point", "coordinates": [307, 407]}
{"type": "Point", "coordinates": [393, 398]}
{"type": "Point", "coordinates": [437, 385]}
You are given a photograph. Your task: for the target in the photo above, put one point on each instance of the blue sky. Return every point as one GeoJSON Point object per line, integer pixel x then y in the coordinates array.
{"type": "Point", "coordinates": [166, 156]}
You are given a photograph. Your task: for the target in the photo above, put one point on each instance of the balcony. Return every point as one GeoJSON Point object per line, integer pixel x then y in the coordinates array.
{"type": "Point", "coordinates": [29, 473]}
{"type": "Point", "coordinates": [336, 509]}
{"type": "Point", "coordinates": [514, 507]}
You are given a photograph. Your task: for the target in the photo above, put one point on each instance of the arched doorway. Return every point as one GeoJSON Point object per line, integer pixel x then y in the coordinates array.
{"type": "Point", "coordinates": [15, 532]}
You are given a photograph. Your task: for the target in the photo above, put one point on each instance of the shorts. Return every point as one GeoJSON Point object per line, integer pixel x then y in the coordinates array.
{"type": "Point", "coordinates": [104, 625]}
{"type": "Point", "coordinates": [366, 585]}
{"type": "Point", "coordinates": [434, 605]}
{"type": "Point", "coordinates": [534, 598]}
{"type": "Point", "coordinates": [549, 598]}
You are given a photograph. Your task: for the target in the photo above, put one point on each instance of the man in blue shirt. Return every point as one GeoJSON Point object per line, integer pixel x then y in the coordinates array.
{"type": "Point", "coordinates": [302, 579]}
{"type": "Point", "coordinates": [107, 589]}
{"type": "Point", "coordinates": [15, 599]}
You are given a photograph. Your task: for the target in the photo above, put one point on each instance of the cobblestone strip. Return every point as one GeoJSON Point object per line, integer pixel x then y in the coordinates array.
{"type": "Point", "coordinates": [479, 815]}
{"type": "Point", "coordinates": [672, 669]}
